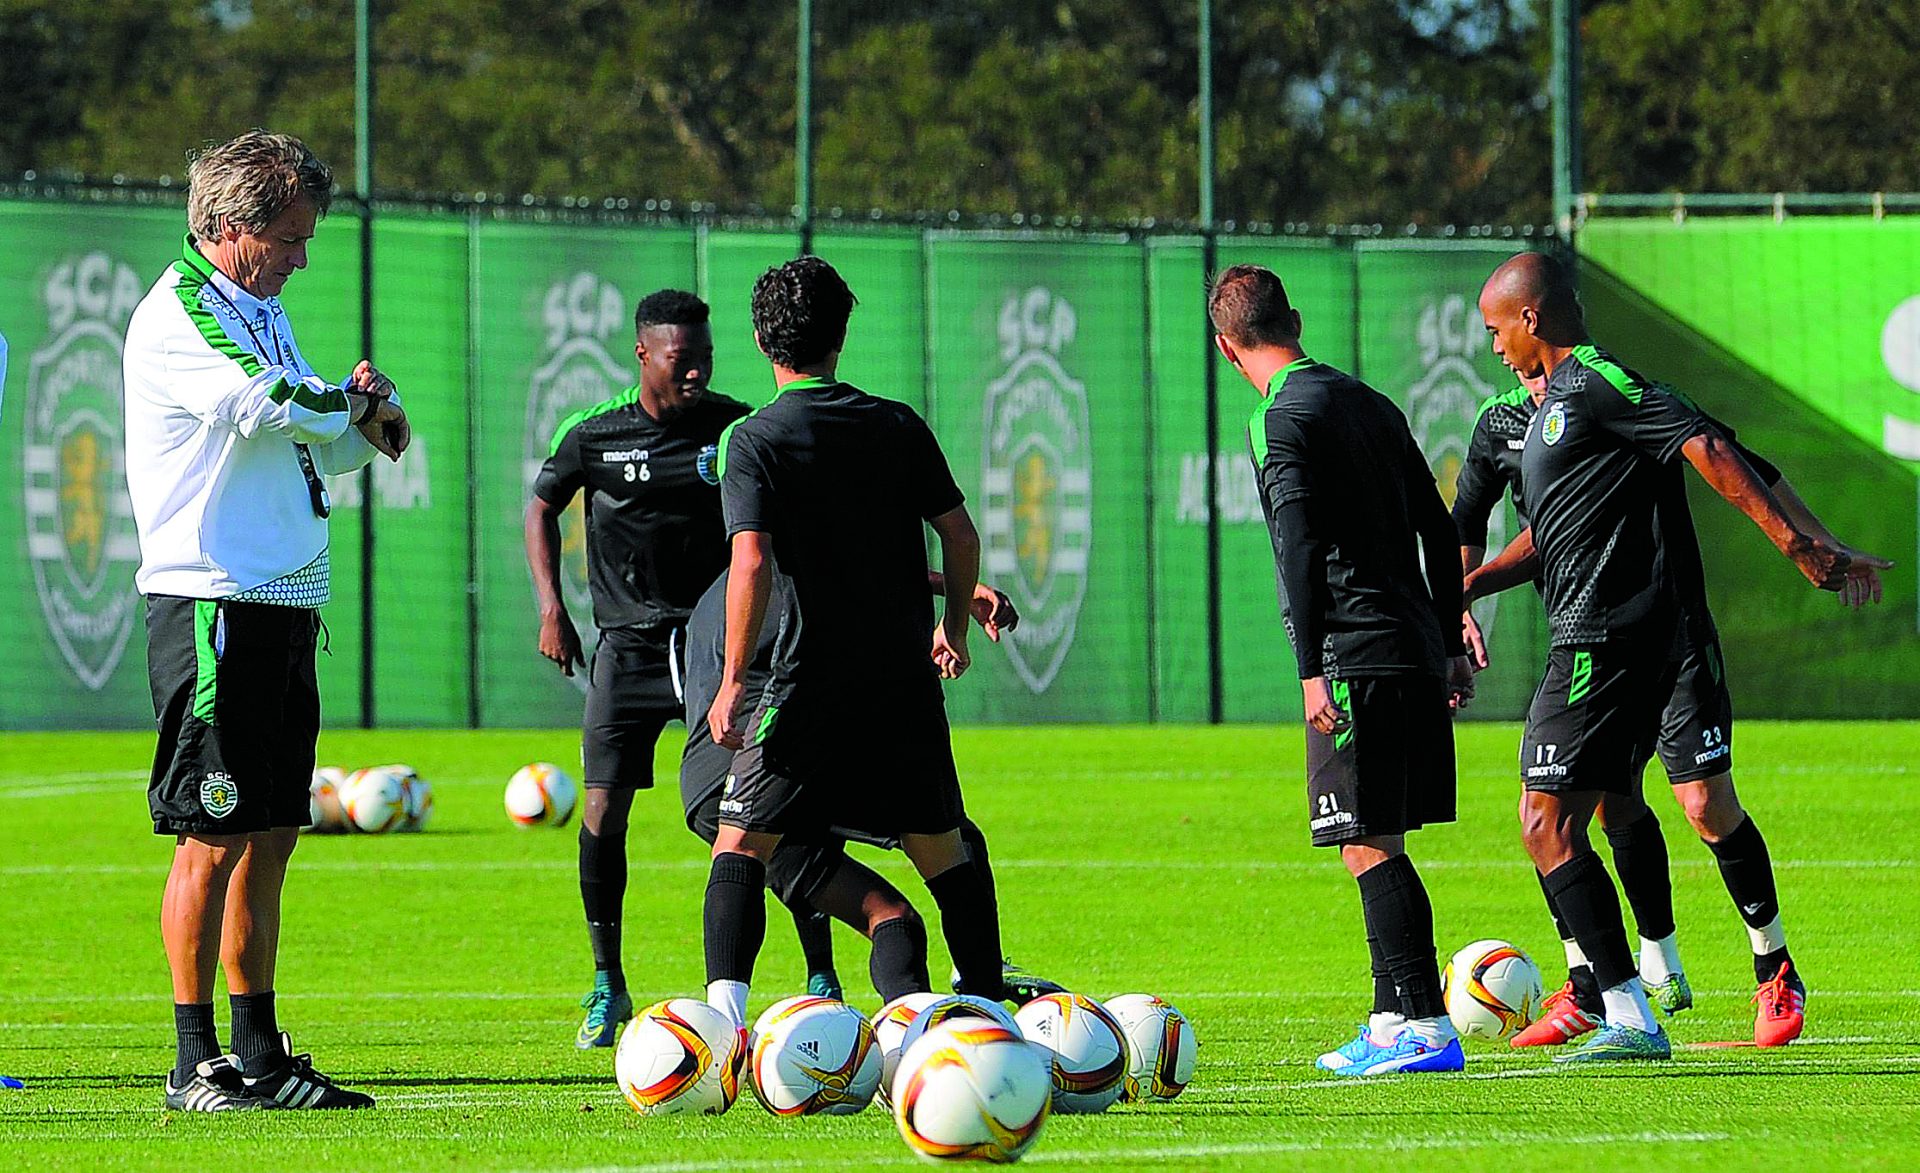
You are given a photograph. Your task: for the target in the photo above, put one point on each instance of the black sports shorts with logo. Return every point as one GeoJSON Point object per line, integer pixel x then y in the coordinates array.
{"type": "Point", "coordinates": [238, 707]}
{"type": "Point", "coordinates": [1696, 731]}
{"type": "Point", "coordinates": [1390, 770]}
{"type": "Point", "coordinates": [1595, 718]}
{"type": "Point", "coordinates": [801, 863]}
{"type": "Point", "coordinates": [879, 766]}
{"type": "Point", "coordinates": [633, 690]}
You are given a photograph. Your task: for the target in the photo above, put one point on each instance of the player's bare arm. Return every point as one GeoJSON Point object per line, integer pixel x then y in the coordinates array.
{"type": "Point", "coordinates": [559, 641]}
{"type": "Point", "coordinates": [1824, 563]}
{"type": "Point", "coordinates": [960, 567]}
{"type": "Point", "coordinates": [1514, 566]}
{"type": "Point", "coordinates": [1863, 573]}
{"type": "Point", "coordinates": [749, 584]}
{"type": "Point", "coordinates": [992, 608]}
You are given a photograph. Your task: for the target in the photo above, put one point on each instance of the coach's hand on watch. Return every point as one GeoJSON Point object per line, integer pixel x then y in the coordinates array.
{"type": "Point", "coordinates": [950, 651]}
{"type": "Point", "coordinates": [1325, 716]}
{"type": "Point", "coordinates": [723, 718]}
{"type": "Point", "coordinates": [994, 611]}
{"type": "Point", "coordinates": [366, 379]}
{"type": "Point", "coordinates": [387, 429]}
{"type": "Point", "coordinates": [559, 641]}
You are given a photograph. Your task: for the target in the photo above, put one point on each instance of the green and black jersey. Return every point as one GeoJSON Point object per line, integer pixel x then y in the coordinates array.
{"type": "Point", "coordinates": [1598, 474]}
{"type": "Point", "coordinates": [1349, 502]}
{"type": "Point", "coordinates": [655, 538]}
{"type": "Point", "coordinates": [1492, 465]}
{"type": "Point", "coordinates": [844, 482]}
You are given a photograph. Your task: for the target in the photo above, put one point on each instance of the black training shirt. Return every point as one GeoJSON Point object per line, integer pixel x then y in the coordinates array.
{"type": "Point", "coordinates": [1595, 469]}
{"type": "Point", "coordinates": [654, 533]}
{"type": "Point", "coordinates": [1348, 498]}
{"type": "Point", "coordinates": [843, 482]}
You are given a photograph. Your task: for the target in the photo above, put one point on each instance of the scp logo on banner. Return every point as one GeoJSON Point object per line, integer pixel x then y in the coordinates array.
{"type": "Point", "coordinates": [1036, 479]}
{"type": "Point", "coordinates": [1444, 402]}
{"type": "Point", "coordinates": [1900, 348]}
{"type": "Point", "coordinates": [81, 540]}
{"type": "Point", "coordinates": [579, 316]}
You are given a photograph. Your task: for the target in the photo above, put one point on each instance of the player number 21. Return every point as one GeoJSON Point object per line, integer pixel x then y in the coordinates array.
{"type": "Point", "coordinates": [1328, 804]}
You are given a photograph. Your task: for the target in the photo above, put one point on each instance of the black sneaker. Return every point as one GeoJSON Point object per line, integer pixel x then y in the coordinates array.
{"type": "Point", "coordinates": [1022, 987]}
{"type": "Point", "coordinates": [216, 1086]}
{"type": "Point", "coordinates": [288, 1080]}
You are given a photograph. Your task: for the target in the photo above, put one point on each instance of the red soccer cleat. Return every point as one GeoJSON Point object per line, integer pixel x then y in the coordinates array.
{"type": "Point", "coordinates": [1782, 1012]}
{"type": "Point", "coordinates": [1561, 1021]}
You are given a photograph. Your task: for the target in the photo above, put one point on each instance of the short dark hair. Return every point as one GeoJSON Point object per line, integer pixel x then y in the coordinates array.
{"type": "Point", "coordinates": [1249, 305]}
{"type": "Point", "coordinates": [669, 307]}
{"type": "Point", "coordinates": [800, 311]}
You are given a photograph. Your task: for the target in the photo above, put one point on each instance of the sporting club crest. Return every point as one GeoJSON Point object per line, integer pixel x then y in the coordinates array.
{"type": "Point", "coordinates": [579, 315]}
{"type": "Point", "coordinates": [1037, 483]}
{"type": "Point", "coordinates": [81, 540]}
{"type": "Point", "coordinates": [1555, 425]}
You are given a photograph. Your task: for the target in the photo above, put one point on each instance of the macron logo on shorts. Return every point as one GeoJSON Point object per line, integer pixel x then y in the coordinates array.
{"type": "Point", "coordinates": [729, 805]}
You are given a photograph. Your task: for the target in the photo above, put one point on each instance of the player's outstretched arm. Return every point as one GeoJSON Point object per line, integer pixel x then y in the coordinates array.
{"type": "Point", "coordinates": [1863, 573]}
{"type": "Point", "coordinates": [1514, 566]}
{"type": "Point", "coordinates": [960, 567]}
{"type": "Point", "coordinates": [749, 585]}
{"type": "Point", "coordinates": [559, 641]}
{"type": "Point", "coordinates": [1824, 563]}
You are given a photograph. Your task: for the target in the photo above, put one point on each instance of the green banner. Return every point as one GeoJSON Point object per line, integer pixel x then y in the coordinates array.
{"type": "Point", "coordinates": [1039, 372]}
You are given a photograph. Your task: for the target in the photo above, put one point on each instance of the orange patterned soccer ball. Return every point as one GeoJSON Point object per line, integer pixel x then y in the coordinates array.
{"type": "Point", "coordinates": [1492, 990]}
{"type": "Point", "coordinates": [680, 1057]}
{"type": "Point", "coordinates": [813, 1055]}
{"type": "Point", "coordinates": [972, 1090]}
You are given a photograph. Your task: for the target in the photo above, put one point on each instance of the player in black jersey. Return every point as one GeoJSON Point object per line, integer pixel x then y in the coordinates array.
{"type": "Point", "coordinates": [1620, 574]}
{"type": "Point", "coordinates": [810, 871]}
{"type": "Point", "coordinates": [835, 487]}
{"type": "Point", "coordinates": [648, 462]}
{"type": "Point", "coordinates": [1350, 504]}
{"type": "Point", "coordinates": [1695, 747]}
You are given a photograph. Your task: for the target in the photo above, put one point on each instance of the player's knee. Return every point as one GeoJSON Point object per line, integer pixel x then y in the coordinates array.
{"type": "Point", "coordinates": [1544, 834]}
{"type": "Point", "coordinates": [210, 859]}
{"type": "Point", "coordinates": [887, 909]}
{"type": "Point", "coordinates": [1712, 807]}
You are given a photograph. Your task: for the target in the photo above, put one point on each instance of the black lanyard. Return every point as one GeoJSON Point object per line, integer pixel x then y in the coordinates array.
{"type": "Point", "coordinates": [316, 488]}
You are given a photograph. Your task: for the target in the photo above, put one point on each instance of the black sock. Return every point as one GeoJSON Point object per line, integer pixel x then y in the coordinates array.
{"type": "Point", "coordinates": [255, 1032]}
{"type": "Point", "coordinates": [1586, 990]}
{"type": "Point", "coordinates": [603, 892]}
{"type": "Point", "coordinates": [1397, 910]}
{"type": "Point", "coordinates": [1747, 871]}
{"type": "Point", "coordinates": [970, 921]}
{"type": "Point", "coordinates": [899, 962]}
{"type": "Point", "coordinates": [1559, 922]}
{"type": "Point", "coordinates": [1584, 895]}
{"type": "Point", "coordinates": [194, 1038]}
{"type": "Point", "coordinates": [1386, 996]}
{"type": "Point", "coordinates": [815, 931]}
{"type": "Point", "coordinates": [1640, 858]}
{"type": "Point", "coordinates": [735, 917]}
{"type": "Point", "coordinates": [976, 844]}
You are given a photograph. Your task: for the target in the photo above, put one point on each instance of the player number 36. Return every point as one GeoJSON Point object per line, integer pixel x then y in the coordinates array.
{"type": "Point", "coordinates": [644, 474]}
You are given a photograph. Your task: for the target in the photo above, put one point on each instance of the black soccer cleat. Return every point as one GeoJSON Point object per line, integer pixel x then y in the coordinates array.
{"type": "Point", "coordinates": [216, 1086]}
{"type": "Point", "coordinates": [288, 1080]}
{"type": "Point", "coordinates": [1020, 986]}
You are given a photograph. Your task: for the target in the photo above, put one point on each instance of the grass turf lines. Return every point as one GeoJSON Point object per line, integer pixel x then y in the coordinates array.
{"type": "Point", "coordinates": [441, 971]}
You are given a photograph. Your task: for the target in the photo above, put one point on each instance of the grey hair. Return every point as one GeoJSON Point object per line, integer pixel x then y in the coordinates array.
{"type": "Point", "coordinates": [250, 180]}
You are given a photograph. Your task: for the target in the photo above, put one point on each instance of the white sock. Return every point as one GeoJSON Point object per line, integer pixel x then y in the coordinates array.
{"type": "Point", "coordinates": [1768, 938]}
{"type": "Point", "coordinates": [1659, 960]}
{"type": "Point", "coordinates": [1575, 957]}
{"type": "Point", "coordinates": [730, 999]}
{"type": "Point", "coordinates": [1626, 1005]}
{"type": "Point", "coordinates": [1434, 1032]}
{"type": "Point", "coordinates": [1383, 1025]}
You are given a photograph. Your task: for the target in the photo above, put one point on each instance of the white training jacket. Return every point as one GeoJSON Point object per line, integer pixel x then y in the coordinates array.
{"type": "Point", "coordinates": [217, 397]}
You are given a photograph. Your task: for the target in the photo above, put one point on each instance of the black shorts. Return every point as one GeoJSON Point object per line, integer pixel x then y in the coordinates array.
{"type": "Point", "coordinates": [1696, 731]}
{"type": "Point", "coordinates": [1390, 770]}
{"type": "Point", "coordinates": [634, 685]}
{"type": "Point", "coordinates": [880, 766]}
{"type": "Point", "coordinates": [798, 866]}
{"type": "Point", "coordinates": [1595, 718]}
{"type": "Point", "coordinates": [238, 706]}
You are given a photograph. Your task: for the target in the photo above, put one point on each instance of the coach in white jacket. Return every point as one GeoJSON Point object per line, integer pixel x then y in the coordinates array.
{"type": "Point", "coordinates": [229, 432]}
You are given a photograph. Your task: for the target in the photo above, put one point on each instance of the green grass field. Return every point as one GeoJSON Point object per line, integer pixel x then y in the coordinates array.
{"type": "Point", "coordinates": [440, 971]}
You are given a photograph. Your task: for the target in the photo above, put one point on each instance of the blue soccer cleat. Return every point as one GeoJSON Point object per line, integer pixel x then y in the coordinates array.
{"type": "Point", "coordinates": [1616, 1043]}
{"type": "Point", "coordinates": [606, 1011]}
{"type": "Point", "coordinates": [1407, 1053]}
{"type": "Point", "coordinates": [826, 984]}
{"type": "Point", "coordinates": [1348, 1053]}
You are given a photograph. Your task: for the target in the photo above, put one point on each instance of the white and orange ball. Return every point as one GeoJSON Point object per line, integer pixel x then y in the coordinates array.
{"type": "Point", "coordinates": [680, 1057]}
{"type": "Point", "coordinates": [1087, 1047]}
{"type": "Point", "coordinates": [890, 1025]}
{"type": "Point", "coordinates": [1492, 990]}
{"type": "Point", "coordinates": [972, 1090]}
{"type": "Point", "coordinates": [1161, 1047]}
{"type": "Point", "coordinates": [324, 812]}
{"type": "Point", "coordinates": [955, 1006]}
{"type": "Point", "coordinates": [374, 799]}
{"type": "Point", "coordinates": [810, 1055]}
{"type": "Point", "coordinates": [541, 794]}
{"type": "Point", "coordinates": [418, 795]}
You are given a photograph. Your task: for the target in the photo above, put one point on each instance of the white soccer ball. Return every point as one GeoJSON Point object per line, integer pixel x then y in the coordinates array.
{"type": "Point", "coordinates": [1087, 1047]}
{"type": "Point", "coordinates": [541, 793]}
{"type": "Point", "coordinates": [955, 1006]}
{"type": "Point", "coordinates": [972, 1090]}
{"type": "Point", "coordinates": [324, 812]}
{"type": "Point", "coordinates": [375, 800]}
{"type": "Point", "coordinates": [1161, 1047]}
{"type": "Point", "coordinates": [679, 1057]}
{"type": "Point", "coordinates": [1492, 990]}
{"type": "Point", "coordinates": [813, 1055]}
{"type": "Point", "coordinates": [890, 1025]}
